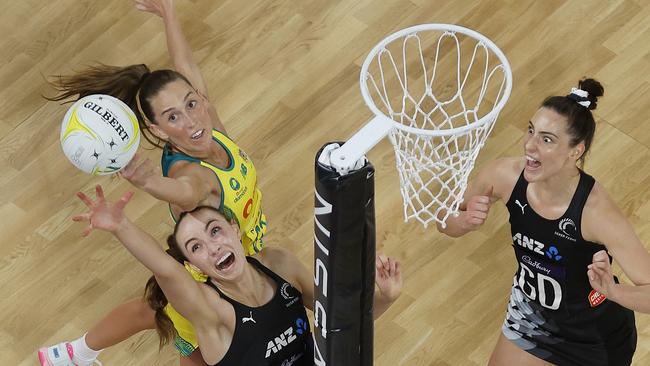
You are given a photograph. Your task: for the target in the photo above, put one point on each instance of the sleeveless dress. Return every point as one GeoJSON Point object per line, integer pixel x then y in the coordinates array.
{"type": "Point", "coordinates": [553, 312]}
{"type": "Point", "coordinates": [274, 334]}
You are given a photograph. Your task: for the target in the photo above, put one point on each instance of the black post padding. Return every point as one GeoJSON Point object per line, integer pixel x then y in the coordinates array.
{"type": "Point", "coordinates": [344, 270]}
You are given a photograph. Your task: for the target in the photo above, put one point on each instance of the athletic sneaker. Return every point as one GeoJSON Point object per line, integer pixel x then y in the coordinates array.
{"type": "Point", "coordinates": [61, 354]}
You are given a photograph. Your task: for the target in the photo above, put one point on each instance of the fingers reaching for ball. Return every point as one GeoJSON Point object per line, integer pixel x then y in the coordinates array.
{"type": "Point", "coordinates": [102, 214]}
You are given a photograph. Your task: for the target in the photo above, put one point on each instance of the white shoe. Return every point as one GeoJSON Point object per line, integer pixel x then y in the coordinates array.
{"type": "Point", "coordinates": [61, 354]}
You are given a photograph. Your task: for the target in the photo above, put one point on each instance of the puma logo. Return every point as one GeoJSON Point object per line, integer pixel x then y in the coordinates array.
{"type": "Point", "coordinates": [520, 205]}
{"type": "Point", "coordinates": [249, 319]}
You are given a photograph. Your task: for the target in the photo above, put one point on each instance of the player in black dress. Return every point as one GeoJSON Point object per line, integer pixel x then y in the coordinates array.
{"type": "Point", "coordinates": [250, 311]}
{"type": "Point", "coordinates": [565, 306]}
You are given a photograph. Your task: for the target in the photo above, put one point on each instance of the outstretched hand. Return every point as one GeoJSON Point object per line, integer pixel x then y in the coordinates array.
{"type": "Point", "coordinates": [388, 277]}
{"type": "Point", "coordinates": [102, 214]}
{"type": "Point", "coordinates": [600, 274]}
{"type": "Point", "coordinates": [159, 7]}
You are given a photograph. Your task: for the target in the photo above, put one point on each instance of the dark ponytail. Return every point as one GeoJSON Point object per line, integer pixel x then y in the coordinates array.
{"type": "Point", "coordinates": [581, 123]}
{"type": "Point", "coordinates": [124, 83]}
{"type": "Point", "coordinates": [120, 82]}
{"type": "Point", "coordinates": [595, 90]}
{"type": "Point", "coordinates": [156, 299]}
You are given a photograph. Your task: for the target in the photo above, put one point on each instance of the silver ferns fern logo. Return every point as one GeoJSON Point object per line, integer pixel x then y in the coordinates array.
{"type": "Point", "coordinates": [564, 225]}
{"type": "Point", "coordinates": [285, 293]}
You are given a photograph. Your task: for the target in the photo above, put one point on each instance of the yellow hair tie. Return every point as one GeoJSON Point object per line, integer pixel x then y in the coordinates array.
{"type": "Point", "coordinates": [196, 273]}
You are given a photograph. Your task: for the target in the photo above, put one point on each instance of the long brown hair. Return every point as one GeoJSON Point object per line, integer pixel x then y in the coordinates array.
{"type": "Point", "coordinates": [156, 299]}
{"type": "Point", "coordinates": [124, 83]}
{"type": "Point", "coordinates": [153, 294]}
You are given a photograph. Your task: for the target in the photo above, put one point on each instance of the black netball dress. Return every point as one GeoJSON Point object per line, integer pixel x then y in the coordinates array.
{"type": "Point", "coordinates": [274, 334]}
{"type": "Point", "coordinates": [553, 312]}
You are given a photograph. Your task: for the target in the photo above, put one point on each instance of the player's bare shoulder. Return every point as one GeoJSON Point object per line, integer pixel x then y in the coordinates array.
{"type": "Point", "coordinates": [503, 174]}
{"type": "Point", "coordinates": [511, 166]}
{"type": "Point", "coordinates": [280, 261]}
{"type": "Point", "coordinates": [600, 212]}
{"type": "Point", "coordinates": [188, 168]}
{"type": "Point", "coordinates": [600, 204]}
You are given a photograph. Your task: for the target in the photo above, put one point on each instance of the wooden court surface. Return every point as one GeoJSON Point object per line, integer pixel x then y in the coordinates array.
{"type": "Point", "coordinates": [284, 78]}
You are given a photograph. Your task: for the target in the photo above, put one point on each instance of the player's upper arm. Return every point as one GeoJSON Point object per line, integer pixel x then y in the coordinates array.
{"type": "Point", "coordinates": [192, 72]}
{"type": "Point", "coordinates": [603, 222]}
{"type": "Point", "coordinates": [498, 176]}
{"type": "Point", "coordinates": [187, 296]}
{"type": "Point", "coordinates": [201, 180]}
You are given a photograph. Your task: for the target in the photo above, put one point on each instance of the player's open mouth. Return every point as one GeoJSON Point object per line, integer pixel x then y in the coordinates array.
{"type": "Point", "coordinates": [532, 163]}
{"type": "Point", "coordinates": [197, 135]}
{"type": "Point", "coordinates": [225, 262]}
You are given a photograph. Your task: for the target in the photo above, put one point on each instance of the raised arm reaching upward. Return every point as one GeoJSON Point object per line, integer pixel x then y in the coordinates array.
{"type": "Point", "coordinates": [175, 281]}
{"type": "Point", "coordinates": [179, 49]}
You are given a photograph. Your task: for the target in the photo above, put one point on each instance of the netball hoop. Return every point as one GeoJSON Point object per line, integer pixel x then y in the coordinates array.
{"type": "Point", "coordinates": [436, 91]}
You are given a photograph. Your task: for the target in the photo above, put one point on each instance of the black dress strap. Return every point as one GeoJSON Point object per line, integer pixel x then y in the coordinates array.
{"type": "Point", "coordinates": [519, 190]}
{"type": "Point", "coordinates": [257, 264]}
{"type": "Point", "coordinates": [585, 185]}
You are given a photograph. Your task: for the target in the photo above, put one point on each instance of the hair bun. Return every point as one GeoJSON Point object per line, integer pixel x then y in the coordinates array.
{"type": "Point", "coordinates": [594, 88]}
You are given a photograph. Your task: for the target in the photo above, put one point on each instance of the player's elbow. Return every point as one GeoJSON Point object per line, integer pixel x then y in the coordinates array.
{"type": "Point", "coordinates": [447, 229]}
{"type": "Point", "coordinates": [441, 229]}
{"type": "Point", "coordinates": [191, 198]}
{"type": "Point", "coordinates": [188, 205]}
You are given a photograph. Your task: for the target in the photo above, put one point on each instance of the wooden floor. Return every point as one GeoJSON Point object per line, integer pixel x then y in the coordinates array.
{"type": "Point", "coordinates": [284, 77]}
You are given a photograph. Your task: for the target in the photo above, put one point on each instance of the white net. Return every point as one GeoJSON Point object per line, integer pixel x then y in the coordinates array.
{"type": "Point", "coordinates": [444, 88]}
